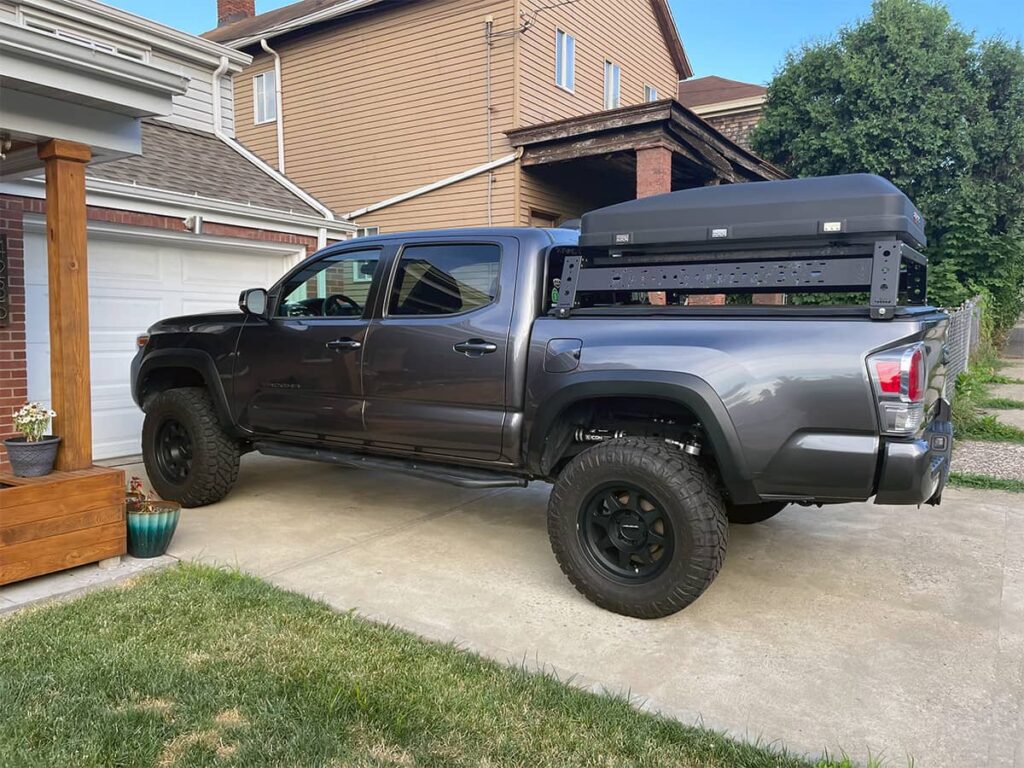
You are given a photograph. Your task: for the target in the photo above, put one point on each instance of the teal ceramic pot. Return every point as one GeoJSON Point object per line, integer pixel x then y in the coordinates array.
{"type": "Point", "coordinates": [150, 534]}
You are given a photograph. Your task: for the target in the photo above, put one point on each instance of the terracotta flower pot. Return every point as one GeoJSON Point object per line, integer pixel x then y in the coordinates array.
{"type": "Point", "coordinates": [33, 459]}
{"type": "Point", "coordinates": [151, 527]}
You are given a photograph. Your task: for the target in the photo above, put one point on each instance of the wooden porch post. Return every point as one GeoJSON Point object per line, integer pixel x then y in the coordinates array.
{"type": "Point", "coordinates": [65, 163]}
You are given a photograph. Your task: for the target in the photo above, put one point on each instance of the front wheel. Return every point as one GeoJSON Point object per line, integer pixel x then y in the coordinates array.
{"type": "Point", "coordinates": [188, 456]}
{"type": "Point", "coordinates": [638, 527]}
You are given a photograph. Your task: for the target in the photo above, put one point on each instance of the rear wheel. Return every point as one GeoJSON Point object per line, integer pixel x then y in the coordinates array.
{"type": "Point", "coordinates": [638, 527]}
{"type": "Point", "coordinates": [749, 514]}
{"type": "Point", "coordinates": [188, 456]}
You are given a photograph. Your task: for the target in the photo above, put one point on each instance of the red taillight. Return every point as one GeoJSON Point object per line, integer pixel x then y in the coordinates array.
{"type": "Point", "coordinates": [889, 374]}
{"type": "Point", "coordinates": [900, 379]}
{"type": "Point", "coordinates": [915, 382]}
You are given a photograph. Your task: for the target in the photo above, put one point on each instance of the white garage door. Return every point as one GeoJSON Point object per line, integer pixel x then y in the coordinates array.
{"type": "Point", "coordinates": [137, 277]}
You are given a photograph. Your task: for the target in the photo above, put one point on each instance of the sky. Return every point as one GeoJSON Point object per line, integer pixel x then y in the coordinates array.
{"type": "Point", "coordinates": [739, 39]}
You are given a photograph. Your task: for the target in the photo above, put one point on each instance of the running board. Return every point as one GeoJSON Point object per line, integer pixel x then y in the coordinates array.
{"type": "Point", "coordinates": [460, 476]}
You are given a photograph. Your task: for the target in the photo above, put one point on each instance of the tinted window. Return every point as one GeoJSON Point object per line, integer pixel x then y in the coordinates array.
{"type": "Point", "coordinates": [338, 286]}
{"type": "Point", "coordinates": [445, 279]}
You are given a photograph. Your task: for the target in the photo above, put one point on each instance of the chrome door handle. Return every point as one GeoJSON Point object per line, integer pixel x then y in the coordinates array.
{"type": "Point", "coordinates": [342, 345]}
{"type": "Point", "coordinates": [475, 348]}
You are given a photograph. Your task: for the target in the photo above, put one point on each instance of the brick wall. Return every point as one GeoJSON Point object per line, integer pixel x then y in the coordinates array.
{"type": "Point", "coordinates": [737, 127]}
{"type": "Point", "coordinates": [13, 373]}
{"type": "Point", "coordinates": [13, 377]}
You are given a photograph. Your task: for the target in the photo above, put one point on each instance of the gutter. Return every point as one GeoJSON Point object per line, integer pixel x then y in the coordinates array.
{"type": "Point", "coordinates": [126, 193]}
{"type": "Point", "coordinates": [279, 97]}
{"type": "Point", "coordinates": [446, 182]}
{"type": "Point", "coordinates": [218, 130]}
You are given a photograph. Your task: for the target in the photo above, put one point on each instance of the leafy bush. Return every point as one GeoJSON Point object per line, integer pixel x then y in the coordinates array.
{"type": "Point", "coordinates": [909, 95]}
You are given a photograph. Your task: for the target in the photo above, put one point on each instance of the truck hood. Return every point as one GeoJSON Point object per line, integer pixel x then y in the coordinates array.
{"type": "Point", "coordinates": [200, 323]}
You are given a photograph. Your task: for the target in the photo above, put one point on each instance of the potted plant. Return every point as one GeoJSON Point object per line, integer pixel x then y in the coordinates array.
{"type": "Point", "coordinates": [151, 521]}
{"type": "Point", "coordinates": [32, 454]}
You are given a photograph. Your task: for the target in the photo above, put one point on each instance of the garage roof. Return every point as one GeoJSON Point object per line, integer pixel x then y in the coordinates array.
{"type": "Point", "coordinates": [190, 162]}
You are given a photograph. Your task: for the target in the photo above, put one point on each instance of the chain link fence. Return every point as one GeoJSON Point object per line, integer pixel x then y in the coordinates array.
{"type": "Point", "coordinates": [963, 336]}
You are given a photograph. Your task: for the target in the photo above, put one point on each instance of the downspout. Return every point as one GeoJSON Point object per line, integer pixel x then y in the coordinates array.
{"type": "Point", "coordinates": [488, 33]}
{"type": "Point", "coordinates": [280, 105]}
{"type": "Point", "coordinates": [218, 130]}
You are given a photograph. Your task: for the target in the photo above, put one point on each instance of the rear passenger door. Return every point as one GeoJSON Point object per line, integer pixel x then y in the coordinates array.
{"type": "Point", "coordinates": [434, 365]}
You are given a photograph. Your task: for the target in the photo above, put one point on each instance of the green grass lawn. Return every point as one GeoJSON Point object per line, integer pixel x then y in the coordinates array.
{"type": "Point", "coordinates": [985, 482]}
{"type": "Point", "coordinates": [199, 667]}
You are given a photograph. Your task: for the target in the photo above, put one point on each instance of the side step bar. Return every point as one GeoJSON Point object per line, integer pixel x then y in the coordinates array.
{"type": "Point", "coordinates": [460, 476]}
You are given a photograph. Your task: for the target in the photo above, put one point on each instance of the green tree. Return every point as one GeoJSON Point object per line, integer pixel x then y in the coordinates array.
{"type": "Point", "coordinates": [909, 95]}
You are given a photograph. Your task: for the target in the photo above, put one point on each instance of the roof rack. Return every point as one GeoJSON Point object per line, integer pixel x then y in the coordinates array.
{"type": "Point", "coordinates": [828, 234]}
{"type": "Point", "coordinates": [884, 268]}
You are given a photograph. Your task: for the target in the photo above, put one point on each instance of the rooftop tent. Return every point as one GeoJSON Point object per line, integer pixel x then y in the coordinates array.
{"type": "Point", "coordinates": [856, 207]}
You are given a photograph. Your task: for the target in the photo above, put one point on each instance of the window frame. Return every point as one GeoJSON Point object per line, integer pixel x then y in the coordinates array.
{"type": "Point", "coordinates": [257, 101]}
{"type": "Point", "coordinates": [323, 263]}
{"type": "Point", "coordinates": [650, 93]}
{"type": "Point", "coordinates": [565, 60]}
{"type": "Point", "coordinates": [397, 262]}
{"type": "Point", "coordinates": [611, 68]}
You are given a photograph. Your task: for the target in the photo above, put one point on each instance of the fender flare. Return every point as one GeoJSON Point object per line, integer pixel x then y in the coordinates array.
{"type": "Point", "coordinates": [685, 389]}
{"type": "Point", "coordinates": [193, 359]}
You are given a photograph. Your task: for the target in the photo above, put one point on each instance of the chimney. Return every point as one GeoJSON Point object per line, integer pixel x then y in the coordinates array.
{"type": "Point", "coordinates": [234, 10]}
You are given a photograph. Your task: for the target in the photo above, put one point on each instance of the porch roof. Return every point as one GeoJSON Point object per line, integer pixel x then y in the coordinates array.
{"type": "Point", "coordinates": [701, 154]}
{"type": "Point", "coordinates": [55, 88]}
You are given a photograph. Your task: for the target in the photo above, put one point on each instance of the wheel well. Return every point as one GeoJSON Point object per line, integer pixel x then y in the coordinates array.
{"type": "Point", "coordinates": [162, 379]}
{"type": "Point", "coordinates": [591, 421]}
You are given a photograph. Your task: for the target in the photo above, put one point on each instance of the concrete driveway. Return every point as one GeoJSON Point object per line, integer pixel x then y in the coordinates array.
{"type": "Point", "coordinates": [876, 630]}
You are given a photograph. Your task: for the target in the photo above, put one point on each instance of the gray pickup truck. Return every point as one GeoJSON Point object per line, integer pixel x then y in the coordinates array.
{"type": "Point", "coordinates": [494, 357]}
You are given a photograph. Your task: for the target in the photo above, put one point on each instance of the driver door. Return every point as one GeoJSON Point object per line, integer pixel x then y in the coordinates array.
{"type": "Point", "coordinates": [299, 371]}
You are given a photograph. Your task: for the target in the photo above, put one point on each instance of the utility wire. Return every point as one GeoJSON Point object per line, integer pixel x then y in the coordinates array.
{"type": "Point", "coordinates": [527, 20]}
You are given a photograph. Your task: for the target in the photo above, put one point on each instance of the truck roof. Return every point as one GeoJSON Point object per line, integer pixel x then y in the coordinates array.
{"type": "Point", "coordinates": [542, 237]}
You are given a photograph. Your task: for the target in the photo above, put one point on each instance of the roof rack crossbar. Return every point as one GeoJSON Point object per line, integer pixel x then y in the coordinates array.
{"type": "Point", "coordinates": [885, 269]}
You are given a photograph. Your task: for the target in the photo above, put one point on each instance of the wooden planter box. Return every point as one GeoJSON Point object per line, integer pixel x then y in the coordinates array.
{"type": "Point", "coordinates": [59, 521]}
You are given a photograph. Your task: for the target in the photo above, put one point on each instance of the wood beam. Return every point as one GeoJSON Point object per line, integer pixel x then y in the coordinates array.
{"type": "Point", "coordinates": [67, 266]}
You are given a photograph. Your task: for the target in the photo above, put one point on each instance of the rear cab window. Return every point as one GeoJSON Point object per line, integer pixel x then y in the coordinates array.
{"type": "Point", "coordinates": [445, 279]}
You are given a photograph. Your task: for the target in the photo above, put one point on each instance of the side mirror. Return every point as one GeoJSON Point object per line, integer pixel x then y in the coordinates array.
{"type": "Point", "coordinates": [253, 301]}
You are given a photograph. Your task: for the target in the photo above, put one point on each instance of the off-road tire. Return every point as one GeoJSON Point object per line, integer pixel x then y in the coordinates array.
{"type": "Point", "coordinates": [689, 498]}
{"type": "Point", "coordinates": [214, 464]}
{"type": "Point", "coordinates": [749, 514]}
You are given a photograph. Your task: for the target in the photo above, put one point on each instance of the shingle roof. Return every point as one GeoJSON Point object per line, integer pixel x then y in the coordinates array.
{"type": "Point", "coordinates": [713, 90]}
{"type": "Point", "coordinates": [254, 25]}
{"type": "Point", "coordinates": [192, 162]}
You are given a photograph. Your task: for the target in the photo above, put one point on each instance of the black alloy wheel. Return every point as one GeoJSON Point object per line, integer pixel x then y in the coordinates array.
{"type": "Point", "coordinates": [174, 451]}
{"type": "Point", "coordinates": [626, 533]}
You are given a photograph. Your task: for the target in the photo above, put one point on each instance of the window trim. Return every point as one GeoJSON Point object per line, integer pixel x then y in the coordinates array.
{"type": "Point", "coordinates": [609, 68]}
{"type": "Point", "coordinates": [571, 87]}
{"type": "Point", "coordinates": [397, 260]}
{"type": "Point", "coordinates": [334, 256]}
{"type": "Point", "coordinates": [256, 99]}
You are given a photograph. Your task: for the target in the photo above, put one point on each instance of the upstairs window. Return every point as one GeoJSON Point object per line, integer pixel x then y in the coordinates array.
{"type": "Point", "coordinates": [650, 93]}
{"type": "Point", "coordinates": [565, 60]}
{"type": "Point", "coordinates": [264, 97]}
{"type": "Point", "coordinates": [612, 85]}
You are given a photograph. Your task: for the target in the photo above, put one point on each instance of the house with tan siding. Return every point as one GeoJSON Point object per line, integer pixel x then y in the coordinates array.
{"type": "Point", "coordinates": [418, 114]}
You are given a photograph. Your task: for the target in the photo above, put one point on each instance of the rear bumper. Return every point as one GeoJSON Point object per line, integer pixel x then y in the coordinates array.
{"type": "Point", "coordinates": [915, 471]}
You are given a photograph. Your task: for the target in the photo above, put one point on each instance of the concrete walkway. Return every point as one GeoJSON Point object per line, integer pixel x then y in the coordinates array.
{"type": "Point", "coordinates": [871, 629]}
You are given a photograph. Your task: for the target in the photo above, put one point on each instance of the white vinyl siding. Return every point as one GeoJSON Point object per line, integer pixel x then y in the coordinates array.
{"type": "Point", "coordinates": [264, 93]}
{"type": "Point", "coordinates": [565, 60]}
{"type": "Point", "coordinates": [612, 85]}
{"type": "Point", "coordinates": [650, 93]}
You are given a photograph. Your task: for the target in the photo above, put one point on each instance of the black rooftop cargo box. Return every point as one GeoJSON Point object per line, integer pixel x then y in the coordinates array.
{"type": "Point", "coordinates": [857, 207]}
